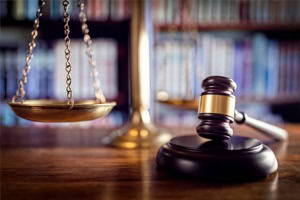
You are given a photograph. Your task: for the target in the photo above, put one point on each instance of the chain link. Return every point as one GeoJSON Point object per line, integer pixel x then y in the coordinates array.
{"type": "Point", "coordinates": [89, 52]}
{"type": "Point", "coordinates": [66, 4]}
{"type": "Point", "coordinates": [20, 93]}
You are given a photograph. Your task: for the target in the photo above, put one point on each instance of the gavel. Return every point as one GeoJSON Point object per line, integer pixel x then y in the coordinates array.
{"type": "Point", "coordinates": [224, 156]}
{"type": "Point", "coordinates": [217, 111]}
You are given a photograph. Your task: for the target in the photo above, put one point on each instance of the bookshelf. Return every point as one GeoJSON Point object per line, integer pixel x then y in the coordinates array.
{"type": "Point", "coordinates": [229, 27]}
{"type": "Point", "coordinates": [280, 100]}
{"type": "Point", "coordinates": [110, 33]}
{"type": "Point", "coordinates": [109, 29]}
{"type": "Point", "coordinates": [254, 42]}
{"type": "Point", "coordinates": [232, 23]}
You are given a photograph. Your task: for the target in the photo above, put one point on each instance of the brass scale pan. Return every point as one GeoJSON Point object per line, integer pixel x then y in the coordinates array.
{"type": "Point", "coordinates": [180, 103]}
{"type": "Point", "coordinates": [55, 110]}
{"type": "Point", "coordinates": [58, 111]}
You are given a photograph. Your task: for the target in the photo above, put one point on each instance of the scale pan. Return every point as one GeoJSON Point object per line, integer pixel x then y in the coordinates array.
{"type": "Point", "coordinates": [180, 103]}
{"type": "Point", "coordinates": [58, 111]}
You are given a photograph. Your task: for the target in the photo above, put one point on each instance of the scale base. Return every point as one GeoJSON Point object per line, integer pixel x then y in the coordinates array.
{"type": "Point", "coordinates": [236, 159]}
{"type": "Point", "coordinates": [139, 132]}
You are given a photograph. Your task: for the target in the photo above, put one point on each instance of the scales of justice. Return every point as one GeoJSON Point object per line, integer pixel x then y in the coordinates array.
{"type": "Point", "coordinates": [139, 131]}
{"type": "Point", "coordinates": [189, 155]}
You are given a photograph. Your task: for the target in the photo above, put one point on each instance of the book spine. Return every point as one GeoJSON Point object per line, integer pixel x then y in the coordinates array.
{"type": "Point", "coordinates": [74, 12]}
{"type": "Point", "coordinates": [209, 13]}
{"type": "Point", "coordinates": [273, 60]}
{"type": "Point", "coordinates": [238, 67]}
{"type": "Point", "coordinates": [247, 65]}
{"type": "Point", "coordinates": [259, 46]}
{"type": "Point", "coordinates": [59, 72]}
{"type": "Point", "coordinates": [216, 10]}
{"type": "Point", "coordinates": [161, 12]}
{"type": "Point", "coordinates": [295, 68]}
{"type": "Point", "coordinates": [2, 76]}
{"type": "Point", "coordinates": [50, 63]}
{"type": "Point", "coordinates": [198, 64]}
{"type": "Point", "coordinates": [169, 11]}
{"type": "Point", "coordinates": [229, 58]}
{"type": "Point", "coordinates": [8, 118]}
{"type": "Point", "coordinates": [289, 69]}
{"type": "Point", "coordinates": [155, 13]}
{"type": "Point", "coordinates": [11, 74]}
{"type": "Point", "coordinates": [127, 8]}
{"type": "Point", "coordinates": [55, 11]}
{"type": "Point", "coordinates": [112, 69]}
{"type": "Point", "coordinates": [18, 9]}
{"type": "Point", "coordinates": [113, 10]}
{"type": "Point", "coordinates": [42, 74]}
{"type": "Point", "coordinates": [3, 9]}
{"type": "Point", "coordinates": [176, 12]}
{"type": "Point", "coordinates": [33, 86]}
{"type": "Point", "coordinates": [266, 12]}
{"type": "Point", "coordinates": [90, 9]}
{"type": "Point", "coordinates": [207, 55]}
{"type": "Point", "coordinates": [84, 73]}
{"type": "Point", "coordinates": [168, 64]}
{"type": "Point", "coordinates": [176, 60]}
{"type": "Point", "coordinates": [31, 8]}
{"type": "Point", "coordinates": [282, 66]}
{"type": "Point", "coordinates": [201, 9]}
{"type": "Point", "coordinates": [75, 49]}
{"type": "Point", "coordinates": [103, 65]}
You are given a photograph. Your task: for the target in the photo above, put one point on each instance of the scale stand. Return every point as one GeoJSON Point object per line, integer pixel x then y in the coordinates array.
{"type": "Point", "coordinates": [139, 132]}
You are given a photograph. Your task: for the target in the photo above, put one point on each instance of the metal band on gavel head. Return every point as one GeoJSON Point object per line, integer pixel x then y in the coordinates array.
{"type": "Point", "coordinates": [217, 97]}
{"type": "Point", "coordinates": [217, 104]}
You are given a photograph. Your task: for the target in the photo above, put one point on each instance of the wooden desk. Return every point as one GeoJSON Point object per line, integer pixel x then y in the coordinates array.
{"type": "Point", "coordinates": [71, 164]}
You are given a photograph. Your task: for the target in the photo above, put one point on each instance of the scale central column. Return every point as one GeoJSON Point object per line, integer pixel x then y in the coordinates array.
{"type": "Point", "coordinates": [139, 132]}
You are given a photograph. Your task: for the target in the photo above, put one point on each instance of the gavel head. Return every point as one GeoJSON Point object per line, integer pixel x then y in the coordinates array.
{"type": "Point", "coordinates": [216, 108]}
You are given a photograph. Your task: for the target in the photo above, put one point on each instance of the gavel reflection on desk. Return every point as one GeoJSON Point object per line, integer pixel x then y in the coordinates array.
{"type": "Point", "coordinates": [223, 155]}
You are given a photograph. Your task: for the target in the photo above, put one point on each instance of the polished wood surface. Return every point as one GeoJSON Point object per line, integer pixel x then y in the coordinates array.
{"type": "Point", "coordinates": [39, 163]}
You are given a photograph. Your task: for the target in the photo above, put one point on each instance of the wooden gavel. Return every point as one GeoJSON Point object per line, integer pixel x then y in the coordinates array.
{"type": "Point", "coordinates": [217, 110]}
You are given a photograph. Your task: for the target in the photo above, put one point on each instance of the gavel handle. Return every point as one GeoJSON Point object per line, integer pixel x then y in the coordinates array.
{"type": "Point", "coordinates": [275, 132]}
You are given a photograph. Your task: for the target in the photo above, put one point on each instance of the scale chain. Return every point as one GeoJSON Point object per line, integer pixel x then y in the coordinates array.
{"type": "Point", "coordinates": [20, 93]}
{"type": "Point", "coordinates": [89, 52]}
{"type": "Point", "coordinates": [66, 4]}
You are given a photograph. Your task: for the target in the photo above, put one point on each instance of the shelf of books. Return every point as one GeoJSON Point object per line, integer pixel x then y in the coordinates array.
{"type": "Point", "coordinates": [107, 19]}
{"type": "Point", "coordinates": [228, 27]}
{"type": "Point", "coordinates": [261, 67]}
{"type": "Point", "coordinates": [96, 10]}
{"type": "Point", "coordinates": [254, 42]}
{"type": "Point", "coordinates": [222, 13]}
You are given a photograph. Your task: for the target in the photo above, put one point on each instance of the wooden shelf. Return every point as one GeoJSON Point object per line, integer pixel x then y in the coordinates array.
{"type": "Point", "coordinates": [8, 21]}
{"type": "Point", "coordinates": [192, 104]}
{"type": "Point", "coordinates": [215, 27]}
{"type": "Point", "coordinates": [293, 99]}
